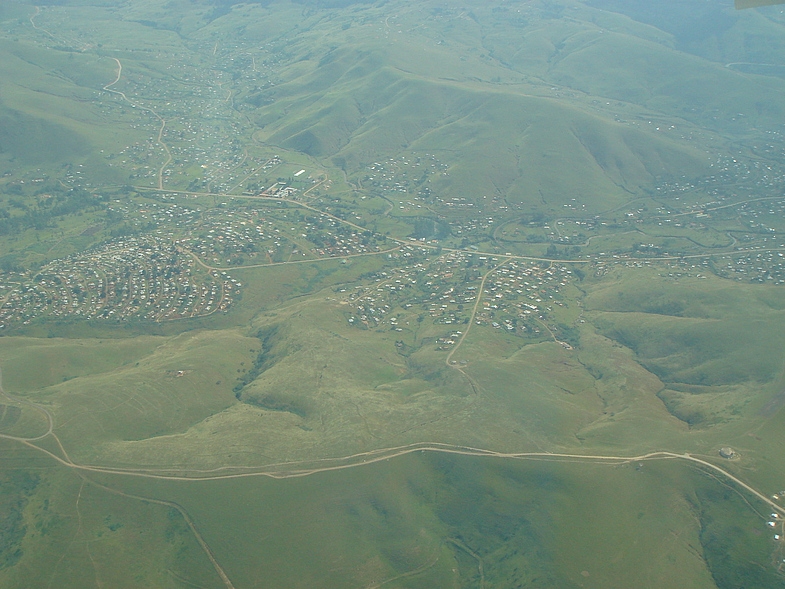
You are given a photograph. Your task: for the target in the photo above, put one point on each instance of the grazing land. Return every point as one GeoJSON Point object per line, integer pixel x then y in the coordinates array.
{"type": "Point", "coordinates": [300, 293]}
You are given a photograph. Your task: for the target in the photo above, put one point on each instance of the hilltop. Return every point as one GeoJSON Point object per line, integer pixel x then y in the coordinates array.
{"type": "Point", "coordinates": [391, 294]}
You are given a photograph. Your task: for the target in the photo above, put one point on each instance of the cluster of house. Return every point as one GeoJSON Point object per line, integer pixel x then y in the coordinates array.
{"type": "Point", "coordinates": [137, 277]}
{"type": "Point", "coordinates": [403, 175]}
{"type": "Point", "coordinates": [516, 295]}
{"type": "Point", "coordinates": [764, 267]}
{"type": "Point", "coordinates": [251, 235]}
{"type": "Point", "coordinates": [208, 138]}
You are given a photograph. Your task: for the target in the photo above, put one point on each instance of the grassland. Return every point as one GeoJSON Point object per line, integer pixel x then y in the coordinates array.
{"type": "Point", "coordinates": [345, 294]}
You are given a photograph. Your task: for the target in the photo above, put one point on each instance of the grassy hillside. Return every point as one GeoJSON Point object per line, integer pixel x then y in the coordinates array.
{"type": "Point", "coordinates": [32, 140]}
{"type": "Point", "coordinates": [714, 349]}
{"type": "Point", "coordinates": [48, 113]}
{"type": "Point", "coordinates": [440, 521]}
{"type": "Point", "coordinates": [523, 148]}
{"type": "Point", "coordinates": [288, 289]}
{"type": "Point", "coordinates": [701, 29]}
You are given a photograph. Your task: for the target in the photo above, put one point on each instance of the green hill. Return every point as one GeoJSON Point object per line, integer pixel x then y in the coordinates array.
{"type": "Point", "coordinates": [35, 140]}
{"type": "Point", "coordinates": [401, 294]}
{"type": "Point", "coordinates": [354, 109]}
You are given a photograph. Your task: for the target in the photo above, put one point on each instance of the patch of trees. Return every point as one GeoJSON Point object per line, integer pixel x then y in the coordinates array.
{"type": "Point", "coordinates": [426, 228]}
{"type": "Point", "coordinates": [555, 253]}
{"type": "Point", "coordinates": [17, 487]}
{"type": "Point", "coordinates": [262, 362]}
{"type": "Point", "coordinates": [569, 334]}
{"type": "Point", "coordinates": [43, 214]}
{"type": "Point", "coordinates": [272, 403]}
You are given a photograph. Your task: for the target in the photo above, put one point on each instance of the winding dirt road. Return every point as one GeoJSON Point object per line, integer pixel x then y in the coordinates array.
{"type": "Point", "coordinates": [289, 470]}
{"type": "Point", "coordinates": [478, 300]}
{"type": "Point", "coordinates": [161, 130]}
{"type": "Point", "coordinates": [49, 418]}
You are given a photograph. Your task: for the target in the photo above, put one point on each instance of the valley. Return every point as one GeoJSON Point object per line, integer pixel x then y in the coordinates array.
{"type": "Point", "coordinates": [338, 293]}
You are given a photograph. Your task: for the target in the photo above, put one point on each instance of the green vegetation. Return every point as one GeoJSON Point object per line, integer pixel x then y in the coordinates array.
{"type": "Point", "coordinates": [288, 291]}
{"type": "Point", "coordinates": [17, 488]}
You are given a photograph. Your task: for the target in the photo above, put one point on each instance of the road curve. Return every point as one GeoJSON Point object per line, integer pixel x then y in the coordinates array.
{"type": "Point", "coordinates": [49, 418]}
{"type": "Point", "coordinates": [290, 470]}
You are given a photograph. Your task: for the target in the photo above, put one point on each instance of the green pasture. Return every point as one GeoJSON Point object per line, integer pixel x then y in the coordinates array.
{"type": "Point", "coordinates": [538, 115]}
{"type": "Point", "coordinates": [184, 380]}
{"type": "Point", "coordinates": [430, 520]}
{"type": "Point", "coordinates": [61, 530]}
{"type": "Point", "coordinates": [720, 334]}
{"type": "Point", "coordinates": [305, 379]}
{"type": "Point", "coordinates": [60, 360]}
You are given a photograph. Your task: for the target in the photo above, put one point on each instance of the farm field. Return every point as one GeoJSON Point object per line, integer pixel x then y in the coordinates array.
{"type": "Point", "coordinates": [300, 293]}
